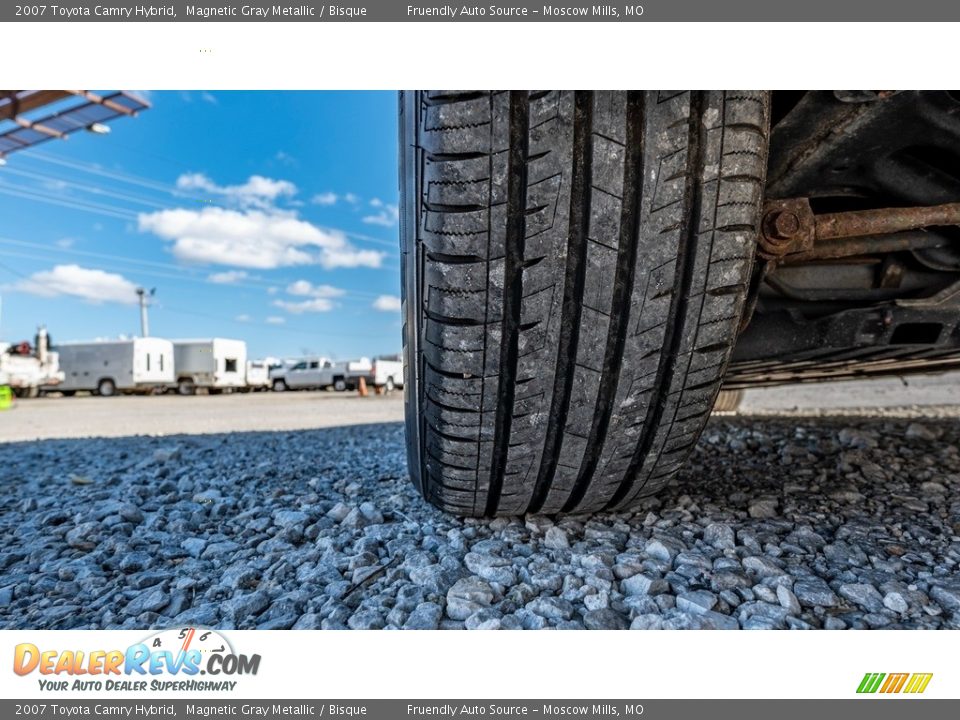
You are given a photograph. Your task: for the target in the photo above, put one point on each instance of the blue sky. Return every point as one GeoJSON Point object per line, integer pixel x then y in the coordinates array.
{"type": "Point", "coordinates": [265, 216]}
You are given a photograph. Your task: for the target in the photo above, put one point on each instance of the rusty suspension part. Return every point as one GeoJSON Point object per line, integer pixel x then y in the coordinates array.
{"type": "Point", "coordinates": [791, 232]}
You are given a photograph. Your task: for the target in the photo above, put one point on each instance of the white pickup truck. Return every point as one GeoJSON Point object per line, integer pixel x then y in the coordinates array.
{"type": "Point", "coordinates": [384, 373]}
{"type": "Point", "coordinates": [311, 373]}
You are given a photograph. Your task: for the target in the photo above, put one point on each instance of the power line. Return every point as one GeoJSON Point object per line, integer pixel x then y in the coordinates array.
{"type": "Point", "coordinates": [171, 190]}
{"type": "Point", "coordinates": [84, 188]}
{"type": "Point", "coordinates": [255, 285]}
{"type": "Point", "coordinates": [283, 328]}
{"type": "Point", "coordinates": [104, 210]}
{"type": "Point", "coordinates": [94, 169]}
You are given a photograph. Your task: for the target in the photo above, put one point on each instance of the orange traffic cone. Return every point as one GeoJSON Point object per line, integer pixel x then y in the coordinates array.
{"type": "Point", "coordinates": [362, 387]}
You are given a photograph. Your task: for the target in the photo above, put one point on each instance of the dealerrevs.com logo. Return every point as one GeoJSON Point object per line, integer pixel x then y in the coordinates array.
{"type": "Point", "coordinates": [910, 683]}
{"type": "Point", "coordinates": [169, 660]}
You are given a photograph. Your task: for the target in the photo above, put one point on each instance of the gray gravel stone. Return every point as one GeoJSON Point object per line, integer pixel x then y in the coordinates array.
{"type": "Point", "coordinates": [814, 592]}
{"type": "Point", "coordinates": [84, 536]}
{"type": "Point", "coordinates": [150, 601]}
{"type": "Point", "coordinates": [467, 596]}
{"type": "Point", "coordinates": [135, 562]}
{"type": "Point", "coordinates": [289, 518]}
{"type": "Point", "coordinates": [426, 616]}
{"type": "Point", "coordinates": [556, 538]}
{"type": "Point", "coordinates": [552, 608]}
{"type": "Point", "coordinates": [762, 566]}
{"type": "Point", "coordinates": [491, 568]}
{"type": "Point", "coordinates": [720, 536]}
{"type": "Point", "coordinates": [663, 548]}
{"type": "Point", "coordinates": [896, 601]}
{"type": "Point", "coordinates": [243, 606]}
{"type": "Point", "coordinates": [763, 508]}
{"type": "Point", "coordinates": [788, 601]}
{"type": "Point", "coordinates": [605, 619]}
{"type": "Point", "coordinates": [641, 584]}
{"type": "Point", "coordinates": [863, 595]}
{"type": "Point", "coordinates": [194, 546]}
{"type": "Point", "coordinates": [947, 595]}
{"type": "Point", "coordinates": [917, 431]}
{"type": "Point", "coordinates": [649, 621]}
{"type": "Point", "coordinates": [697, 601]}
{"type": "Point", "coordinates": [486, 619]}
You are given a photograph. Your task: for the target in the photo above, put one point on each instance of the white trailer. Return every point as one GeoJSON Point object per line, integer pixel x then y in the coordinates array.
{"type": "Point", "coordinates": [216, 364]}
{"type": "Point", "coordinates": [107, 367]}
{"type": "Point", "coordinates": [258, 375]}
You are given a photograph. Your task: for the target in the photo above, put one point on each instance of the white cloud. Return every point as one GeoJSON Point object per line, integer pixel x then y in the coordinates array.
{"type": "Point", "coordinates": [254, 239]}
{"type": "Point", "coordinates": [387, 303]}
{"type": "Point", "coordinates": [243, 318]}
{"type": "Point", "coordinates": [65, 243]}
{"type": "Point", "coordinates": [388, 216]}
{"type": "Point", "coordinates": [275, 320]}
{"type": "Point", "coordinates": [227, 277]}
{"type": "Point", "coordinates": [304, 288]}
{"type": "Point", "coordinates": [257, 191]}
{"type": "Point", "coordinates": [325, 199]}
{"type": "Point", "coordinates": [351, 198]}
{"type": "Point", "coordinates": [298, 307]}
{"type": "Point", "coordinates": [272, 290]}
{"type": "Point", "coordinates": [209, 98]}
{"type": "Point", "coordinates": [95, 286]}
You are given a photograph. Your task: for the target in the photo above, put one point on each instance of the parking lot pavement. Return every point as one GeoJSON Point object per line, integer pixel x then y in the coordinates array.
{"type": "Point", "coordinates": [909, 395]}
{"type": "Point", "coordinates": [77, 417]}
{"type": "Point", "coordinates": [775, 522]}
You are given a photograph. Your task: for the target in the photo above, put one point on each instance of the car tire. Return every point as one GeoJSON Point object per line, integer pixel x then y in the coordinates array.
{"type": "Point", "coordinates": [279, 386]}
{"type": "Point", "coordinates": [186, 387]}
{"type": "Point", "coordinates": [389, 386]}
{"type": "Point", "coordinates": [106, 388]}
{"type": "Point", "coordinates": [340, 385]}
{"type": "Point", "coordinates": [575, 268]}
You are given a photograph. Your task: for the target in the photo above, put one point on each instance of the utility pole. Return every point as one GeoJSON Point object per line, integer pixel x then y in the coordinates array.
{"type": "Point", "coordinates": [144, 321]}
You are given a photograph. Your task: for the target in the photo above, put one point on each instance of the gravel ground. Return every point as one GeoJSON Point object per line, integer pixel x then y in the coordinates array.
{"type": "Point", "coordinates": [775, 523]}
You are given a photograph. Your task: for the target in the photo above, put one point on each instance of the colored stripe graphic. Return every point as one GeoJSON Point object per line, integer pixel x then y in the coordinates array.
{"type": "Point", "coordinates": [918, 682]}
{"type": "Point", "coordinates": [870, 682]}
{"type": "Point", "coordinates": [894, 683]}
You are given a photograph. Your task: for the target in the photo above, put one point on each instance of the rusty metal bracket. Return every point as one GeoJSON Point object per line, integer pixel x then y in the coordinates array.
{"type": "Point", "coordinates": [787, 227]}
{"type": "Point", "coordinates": [791, 231]}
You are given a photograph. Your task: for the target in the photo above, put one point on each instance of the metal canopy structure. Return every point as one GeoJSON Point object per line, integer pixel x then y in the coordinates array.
{"type": "Point", "coordinates": [91, 111]}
